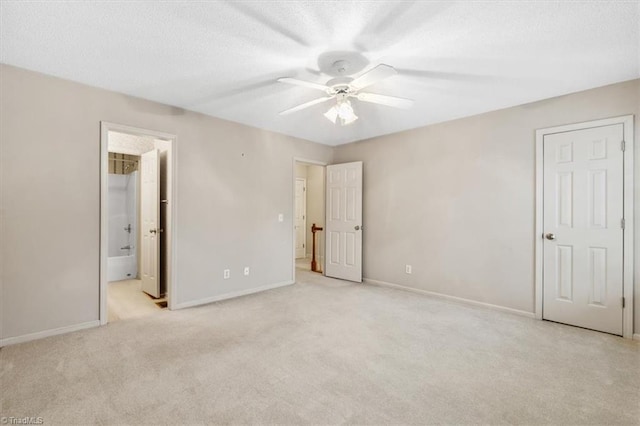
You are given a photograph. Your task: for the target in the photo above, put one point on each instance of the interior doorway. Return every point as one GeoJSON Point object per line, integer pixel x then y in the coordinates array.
{"type": "Point", "coordinates": [308, 216]}
{"type": "Point", "coordinates": [137, 213]}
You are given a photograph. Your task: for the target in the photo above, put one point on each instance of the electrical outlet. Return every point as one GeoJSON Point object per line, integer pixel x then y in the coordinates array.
{"type": "Point", "coordinates": [280, 217]}
{"type": "Point", "coordinates": [226, 274]}
{"type": "Point", "coordinates": [407, 269]}
{"type": "Point", "coordinates": [246, 270]}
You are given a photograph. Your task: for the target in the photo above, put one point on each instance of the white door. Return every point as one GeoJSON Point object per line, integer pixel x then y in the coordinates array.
{"type": "Point", "coordinates": [583, 212]}
{"type": "Point", "coordinates": [344, 221]}
{"type": "Point", "coordinates": [301, 217]}
{"type": "Point", "coordinates": [150, 220]}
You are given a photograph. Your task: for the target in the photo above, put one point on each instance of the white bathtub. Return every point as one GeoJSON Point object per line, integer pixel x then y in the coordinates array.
{"type": "Point", "coordinates": [121, 268]}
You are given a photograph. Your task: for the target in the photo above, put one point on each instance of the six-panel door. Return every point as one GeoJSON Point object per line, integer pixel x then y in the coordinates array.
{"type": "Point", "coordinates": [583, 237]}
{"type": "Point", "coordinates": [150, 218]}
{"type": "Point", "coordinates": [344, 221]}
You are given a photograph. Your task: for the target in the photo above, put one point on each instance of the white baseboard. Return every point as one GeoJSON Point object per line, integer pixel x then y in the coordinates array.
{"type": "Point", "coordinates": [452, 298]}
{"type": "Point", "coordinates": [636, 336]}
{"type": "Point", "coordinates": [231, 295]}
{"type": "Point", "coordinates": [47, 333]}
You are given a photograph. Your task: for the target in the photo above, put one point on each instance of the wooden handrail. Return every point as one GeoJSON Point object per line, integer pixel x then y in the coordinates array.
{"type": "Point", "coordinates": [314, 264]}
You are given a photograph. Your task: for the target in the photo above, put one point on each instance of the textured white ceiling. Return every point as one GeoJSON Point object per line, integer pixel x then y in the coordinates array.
{"type": "Point", "coordinates": [223, 58]}
{"type": "Point", "coordinates": [124, 143]}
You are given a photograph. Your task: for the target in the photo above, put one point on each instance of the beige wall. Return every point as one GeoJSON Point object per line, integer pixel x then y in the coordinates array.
{"type": "Point", "coordinates": [456, 200]}
{"type": "Point", "coordinates": [233, 181]}
{"type": "Point", "coordinates": [301, 171]}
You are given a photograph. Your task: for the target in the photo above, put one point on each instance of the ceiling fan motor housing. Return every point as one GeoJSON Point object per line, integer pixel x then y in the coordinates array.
{"type": "Point", "coordinates": [339, 85]}
{"type": "Point", "coordinates": [342, 96]}
{"type": "Point", "coordinates": [342, 63]}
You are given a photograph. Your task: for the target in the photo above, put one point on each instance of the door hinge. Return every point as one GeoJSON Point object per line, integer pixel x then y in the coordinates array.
{"type": "Point", "coordinates": [623, 145]}
{"type": "Point", "coordinates": [622, 223]}
{"type": "Point", "coordinates": [623, 302]}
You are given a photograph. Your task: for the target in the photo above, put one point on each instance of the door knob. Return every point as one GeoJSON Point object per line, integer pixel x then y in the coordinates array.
{"type": "Point", "coordinates": [550, 236]}
{"type": "Point", "coordinates": [153, 231]}
{"type": "Point", "coordinates": [357, 227]}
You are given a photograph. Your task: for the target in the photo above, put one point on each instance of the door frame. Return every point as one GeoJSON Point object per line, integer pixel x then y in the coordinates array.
{"type": "Point", "coordinates": [628, 187]}
{"type": "Point", "coordinates": [304, 183]}
{"type": "Point", "coordinates": [170, 226]}
{"type": "Point", "coordinates": [293, 208]}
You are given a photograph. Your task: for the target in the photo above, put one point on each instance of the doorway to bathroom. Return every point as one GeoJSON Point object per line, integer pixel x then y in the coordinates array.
{"type": "Point", "coordinates": [136, 222]}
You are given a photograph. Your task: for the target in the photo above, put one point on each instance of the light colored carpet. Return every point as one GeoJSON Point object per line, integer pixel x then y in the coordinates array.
{"type": "Point", "coordinates": [303, 263]}
{"type": "Point", "coordinates": [125, 300]}
{"type": "Point", "coordinates": [326, 352]}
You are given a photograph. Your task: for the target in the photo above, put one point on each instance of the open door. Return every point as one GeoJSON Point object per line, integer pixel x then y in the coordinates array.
{"type": "Point", "coordinates": [301, 222]}
{"type": "Point", "coordinates": [150, 220]}
{"type": "Point", "coordinates": [344, 221]}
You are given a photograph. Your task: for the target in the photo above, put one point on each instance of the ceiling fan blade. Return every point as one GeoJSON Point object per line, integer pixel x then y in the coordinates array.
{"type": "Point", "coordinates": [303, 83]}
{"type": "Point", "coordinates": [306, 105]}
{"type": "Point", "coordinates": [391, 101]}
{"type": "Point", "coordinates": [372, 76]}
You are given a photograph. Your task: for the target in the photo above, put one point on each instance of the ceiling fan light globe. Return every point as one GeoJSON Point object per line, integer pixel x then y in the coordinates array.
{"type": "Point", "coordinates": [345, 109]}
{"type": "Point", "coordinates": [332, 114]}
{"type": "Point", "coordinates": [350, 117]}
{"type": "Point", "coordinates": [348, 120]}
{"type": "Point", "coordinates": [346, 113]}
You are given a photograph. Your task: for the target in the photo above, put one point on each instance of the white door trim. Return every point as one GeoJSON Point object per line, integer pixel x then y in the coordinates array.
{"type": "Point", "coordinates": [105, 128]}
{"type": "Point", "coordinates": [627, 122]}
{"type": "Point", "coordinates": [293, 208]}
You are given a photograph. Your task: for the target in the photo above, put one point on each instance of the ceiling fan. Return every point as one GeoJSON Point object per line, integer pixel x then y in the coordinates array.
{"type": "Point", "coordinates": [344, 88]}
